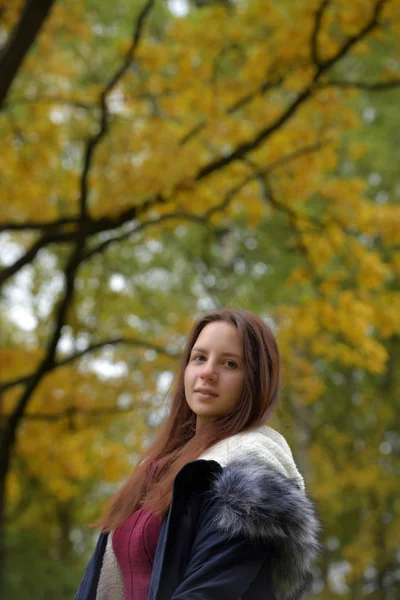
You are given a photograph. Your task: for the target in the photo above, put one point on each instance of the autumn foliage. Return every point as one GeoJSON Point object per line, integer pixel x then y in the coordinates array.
{"type": "Point", "coordinates": [156, 165]}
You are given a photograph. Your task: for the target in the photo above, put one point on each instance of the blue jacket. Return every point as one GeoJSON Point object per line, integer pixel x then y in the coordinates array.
{"type": "Point", "coordinates": [239, 532]}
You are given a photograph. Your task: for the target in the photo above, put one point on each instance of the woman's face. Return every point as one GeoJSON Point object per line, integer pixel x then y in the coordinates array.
{"type": "Point", "coordinates": [214, 375]}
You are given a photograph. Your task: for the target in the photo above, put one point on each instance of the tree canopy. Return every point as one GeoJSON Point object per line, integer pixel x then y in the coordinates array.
{"type": "Point", "coordinates": [161, 159]}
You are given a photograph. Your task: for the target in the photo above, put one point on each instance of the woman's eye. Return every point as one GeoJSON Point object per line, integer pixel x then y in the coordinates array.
{"type": "Point", "coordinates": [231, 364]}
{"type": "Point", "coordinates": [198, 357]}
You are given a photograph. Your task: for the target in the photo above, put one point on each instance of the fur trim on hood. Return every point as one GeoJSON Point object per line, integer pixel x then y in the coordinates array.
{"type": "Point", "coordinates": [265, 500]}
{"type": "Point", "coordinates": [264, 504]}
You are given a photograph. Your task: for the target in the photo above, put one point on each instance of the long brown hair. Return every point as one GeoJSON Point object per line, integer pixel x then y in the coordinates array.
{"type": "Point", "coordinates": [177, 443]}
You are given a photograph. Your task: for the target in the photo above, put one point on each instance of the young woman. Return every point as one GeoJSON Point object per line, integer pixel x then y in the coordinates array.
{"type": "Point", "coordinates": [216, 508]}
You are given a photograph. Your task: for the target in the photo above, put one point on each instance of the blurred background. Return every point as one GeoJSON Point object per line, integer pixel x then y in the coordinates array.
{"type": "Point", "coordinates": [161, 159]}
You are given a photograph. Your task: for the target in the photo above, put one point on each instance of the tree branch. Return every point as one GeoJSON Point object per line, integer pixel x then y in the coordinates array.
{"type": "Point", "coordinates": [50, 100]}
{"type": "Point", "coordinates": [48, 362]}
{"type": "Point", "coordinates": [317, 223]}
{"type": "Point", "coordinates": [94, 141]}
{"type": "Point", "coordinates": [238, 153]}
{"type": "Point", "coordinates": [92, 348]}
{"type": "Point", "coordinates": [20, 40]}
{"type": "Point", "coordinates": [293, 219]}
{"type": "Point", "coordinates": [373, 86]}
{"type": "Point", "coordinates": [107, 223]}
{"type": "Point", "coordinates": [29, 256]}
{"type": "Point", "coordinates": [76, 411]}
{"type": "Point", "coordinates": [38, 225]}
{"type": "Point", "coordinates": [245, 147]}
{"type": "Point", "coordinates": [92, 227]}
{"type": "Point", "coordinates": [354, 39]}
{"type": "Point", "coordinates": [86, 223]}
{"type": "Point", "coordinates": [317, 28]}
{"type": "Point", "coordinates": [139, 227]}
{"type": "Point", "coordinates": [257, 173]}
{"type": "Point", "coordinates": [237, 105]}
{"type": "Point", "coordinates": [205, 217]}
{"type": "Point", "coordinates": [241, 151]}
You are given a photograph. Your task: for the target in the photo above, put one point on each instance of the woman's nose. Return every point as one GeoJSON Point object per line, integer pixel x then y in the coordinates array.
{"type": "Point", "coordinates": [208, 371]}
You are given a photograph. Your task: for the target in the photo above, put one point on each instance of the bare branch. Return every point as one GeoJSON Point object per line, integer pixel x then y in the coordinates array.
{"type": "Point", "coordinates": [317, 223]}
{"type": "Point", "coordinates": [245, 147]}
{"type": "Point", "coordinates": [151, 98]}
{"type": "Point", "coordinates": [139, 227]}
{"type": "Point", "coordinates": [242, 149]}
{"type": "Point", "coordinates": [299, 153]}
{"type": "Point", "coordinates": [262, 177]}
{"type": "Point", "coordinates": [9, 432]}
{"type": "Point", "coordinates": [266, 86]}
{"type": "Point", "coordinates": [237, 105]}
{"type": "Point", "coordinates": [205, 217]}
{"type": "Point", "coordinates": [76, 411]}
{"type": "Point", "coordinates": [48, 361]}
{"type": "Point", "coordinates": [354, 39]}
{"type": "Point", "coordinates": [29, 256]}
{"type": "Point", "coordinates": [92, 227]}
{"type": "Point", "coordinates": [38, 225]}
{"type": "Point", "coordinates": [373, 86]}
{"type": "Point", "coordinates": [50, 100]}
{"type": "Point", "coordinates": [92, 348]}
{"type": "Point", "coordinates": [257, 173]}
{"type": "Point", "coordinates": [317, 27]}
{"type": "Point", "coordinates": [193, 132]}
{"type": "Point", "coordinates": [32, 18]}
{"type": "Point", "coordinates": [94, 141]}
{"type": "Point", "coordinates": [293, 218]}
{"type": "Point", "coordinates": [107, 223]}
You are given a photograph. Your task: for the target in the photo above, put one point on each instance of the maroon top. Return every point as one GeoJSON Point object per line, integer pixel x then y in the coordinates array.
{"type": "Point", "coordinates": [134, 544]}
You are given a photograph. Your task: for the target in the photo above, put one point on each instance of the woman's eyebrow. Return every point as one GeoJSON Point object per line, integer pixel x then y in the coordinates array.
{"type": "Point", "coordinates": [204, 351]}
{"type": "Point", "coordinates": [198, 349]}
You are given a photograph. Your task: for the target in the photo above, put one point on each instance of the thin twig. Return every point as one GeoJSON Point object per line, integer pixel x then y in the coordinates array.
{"type": "Point", "coordinates": [373, 86]}
{"type": "Point", "coordinates": [237, 105]}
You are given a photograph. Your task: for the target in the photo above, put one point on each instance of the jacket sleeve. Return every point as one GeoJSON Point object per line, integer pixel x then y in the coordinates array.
{"type": "Point", "coordinates": [223, 567]}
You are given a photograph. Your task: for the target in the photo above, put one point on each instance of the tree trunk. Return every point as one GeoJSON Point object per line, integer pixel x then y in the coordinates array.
{"type": "Point", "coordinates": [65, 523]}
{"type": "Point", "coordinates": [20, 40]}
{"type": "Point", "coordinates": [4, 464]}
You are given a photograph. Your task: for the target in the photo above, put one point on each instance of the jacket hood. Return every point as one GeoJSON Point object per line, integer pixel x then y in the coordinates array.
{"type": "Point", "coordinates": [261, 495]}
{"type": "Point", "coordinates": [264, 443]}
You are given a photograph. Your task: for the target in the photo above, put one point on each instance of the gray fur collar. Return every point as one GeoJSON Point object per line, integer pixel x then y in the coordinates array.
{"type": "Point", "coordinates": [263, 504]}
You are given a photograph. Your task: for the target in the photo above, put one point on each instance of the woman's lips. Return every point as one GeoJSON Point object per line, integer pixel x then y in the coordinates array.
{"type": "Point", "coordinates": [205, 393]}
